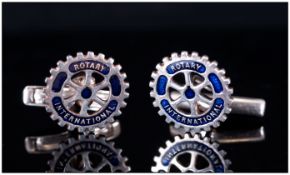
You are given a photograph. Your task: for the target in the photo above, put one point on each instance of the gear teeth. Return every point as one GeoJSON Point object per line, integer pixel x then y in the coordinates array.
{"type": "Point", "coordinates": [215, 145]}
{"type": "Point", "coordinates": [70, 127]}
{"type": "Point", "coordinates": [60, 123]}
{"type": "Point", "coordinates": [194, 54]}
{"type": "Point", "coordinates": [222, 72]}
{"type": "Point", "coordinates": [174, 55]}
{"type": "Point", "coordinates": [154, 75]}
{"type": "Point", "coordinates": [231, 90]}
{"type": "Point", "coordinates": [101, 56]}
{"type": "Point", "coordinates": [118, 113]}
{"type": "Point", "coordinates": [186, 136]}
{"type": "Point", "coordinates": [60, 63]}
{"type": "Point", "coordinates": [214, 64]}
{"type": "Point", "coordinates": [205, 58]}
{"type": "Point", "coordinates": [52, 71]}
{"type": "Point", "coordinates": [177, 138]}
{"type": "Point", "coordinates": [155, 158]}
{"type": "Point", "coordinates": [228, 110]}
{"type": "Point", "coordinates": [167, 120]}
{"type": "Point", "coordinates": [167, 143]}
{"type": "Point", "coordinates": [222, 153]}
{"type": "Point", "coordinates": [124, 75]}
{"type": "Point", "coordinates": [152, 94]}
{"type": "Point", "coordinates": [207, 128]}
{"type": "Point", "coordinates": [80, 55]}
{"type": "Point", "coordinates": [155, 104]}
{"type": "Point", "coordinates": [206, 139]}
{"type": "Point", "coordinates": [177, 126]}
{"type": "Point", "coordinates": [165, 59]}
{"type": "Point", "coordinates": [223, 117]}
{"type": "Point", "coordinates": [161, 150]}
{"type": "Point", "coordinates": [126, 95]}
{"type": "Point", "coordinates": [69, 58]}
{"type": "Point", "coordinates": [53, 117]}
{"type": "Point", "coordinates": [227, 81]}
{"type": "Point", "coordinates": [80, 129]}
{"type": "Point", "coordinates": [192, 132]}
{"type": "Point", "coordinates": [119, 67]}
{"type": "Point", "coordinates": [90, 54]}
{"type": "Point", "coordinates": [158, 67]}
{"type": "Point", "coordinates": [151, 84]}
{"type": "Point", "coordinates": [160, 112]}
{"type": "Point", "coordinates": [216, 124]}
{"type": "Point", "coordinates": [46, 80]}
{"type": "Point", "coordinates": [184, 54]}
{"type": "Point", "coordinates": [126, 85]}
{"type": "Point", "coordinates": [228, 162]}
{"type": "Point", "coordinates": [195, 136]}
{"type": "Point", "coordinates": [123, 104]}
{"type": "Point", "coordinates": [154, 169]}
{"type": "Point", "coordinates": [111, 60]}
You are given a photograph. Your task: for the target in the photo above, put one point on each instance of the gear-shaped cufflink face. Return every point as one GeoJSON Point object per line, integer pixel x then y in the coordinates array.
{"type": "Point", "coordinates": [88, 154]}
{"type": "Point", "coordinates": [191, 92]}
{"type": "Point", "coordinates": [85, 91]}
{"type": "Point", "coordinates": [191, 154]}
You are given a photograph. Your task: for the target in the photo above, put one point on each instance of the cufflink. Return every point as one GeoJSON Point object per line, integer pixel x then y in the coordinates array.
{"type": "Point", "coordinates": [85, 92]}
{"type": "Point", "coordinates": [195, 95]}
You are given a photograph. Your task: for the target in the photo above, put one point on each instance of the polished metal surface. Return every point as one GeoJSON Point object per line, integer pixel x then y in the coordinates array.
{"type": "Point", "coordinates": [91, 90]}
{"type": "Point", "coordinates": [48, 143]}
{"type": "Point", "coordinates": [195, 95]}
{"type": "Point", "coordinates": [252, 135]}
{"type": "Point", "coordinates": [248, 106]}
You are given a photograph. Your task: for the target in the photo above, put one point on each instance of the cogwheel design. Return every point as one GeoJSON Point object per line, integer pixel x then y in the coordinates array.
{"type": "Point", "coordinates": [85, 92]}
{"type": "Point", "coordinates": [191, 92]}
{"type": "Point", "coordinates": [191, 154]}
{"type": "Point", "coordinates": [88, 154]}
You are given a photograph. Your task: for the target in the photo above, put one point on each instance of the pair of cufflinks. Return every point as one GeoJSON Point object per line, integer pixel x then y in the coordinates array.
{"type": "Point", "coordinates": [87, 91]}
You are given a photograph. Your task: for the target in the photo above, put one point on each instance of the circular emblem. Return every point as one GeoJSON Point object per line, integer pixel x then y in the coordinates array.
{"type": "Point", "coordinates": [88, 154]}
{"type": "Point", "coordinates": [191, 92]}
{"type": "Point", "coordinates": [191, 155]}
{"type": "Point", "coordinates": [86, 91]}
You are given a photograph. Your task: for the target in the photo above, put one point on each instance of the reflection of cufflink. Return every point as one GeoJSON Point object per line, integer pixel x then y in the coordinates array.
{"type": "Point", "coordinates": [195, 95]}
{"type": "Point", "coordinates": [200, 153]}
{"type": "Point", "coordinates": [84, 92]}
{"type": "Point", "coordinates": [87, 153]}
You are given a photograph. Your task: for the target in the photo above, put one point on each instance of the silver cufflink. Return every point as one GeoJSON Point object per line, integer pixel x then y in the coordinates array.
{"type": "Point", "coordinates": [195, 95]}
{"type": "Point", "coordinates": [85, 92]}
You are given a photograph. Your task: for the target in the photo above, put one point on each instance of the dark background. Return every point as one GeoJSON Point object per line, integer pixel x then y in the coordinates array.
{"type": "Point", "coordinates": [249, 40]}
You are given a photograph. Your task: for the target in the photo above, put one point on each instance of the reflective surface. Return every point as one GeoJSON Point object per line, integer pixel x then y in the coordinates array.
{"type": "Point", "coordinates": [78, 154]}
{"type": "Point", "coordinates": [248, 40]}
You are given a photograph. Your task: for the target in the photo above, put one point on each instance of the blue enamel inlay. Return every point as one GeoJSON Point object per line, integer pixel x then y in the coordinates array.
{"type": "Point", "coordinates": [200, 147]}
{"type": "Point", "coordinates": [215, 81]}
{"type": "Point", "coordinates": [211, 115]}
{"type": "Point", "coordinates": [185, 64]}
{"type": "Point", "coordinates": [189, 93]}
{"type": "Point", "coordinates": [79, 120]}
{"type": "Point", "coordinates": [161, 85]}
{"type": "Point", "coordinates": [58, 81]}
{"type": "Point", "coordinates": [86, 93]}
{"type": "Point", "coordinates": [89, 64]}
{"type": "Point", "coordinates": [115, 84]}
